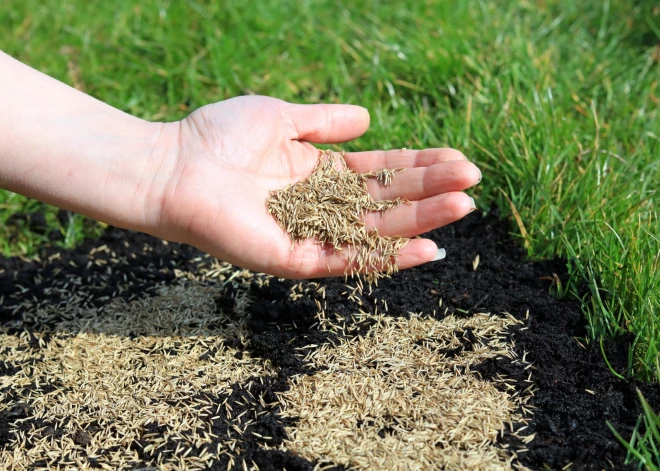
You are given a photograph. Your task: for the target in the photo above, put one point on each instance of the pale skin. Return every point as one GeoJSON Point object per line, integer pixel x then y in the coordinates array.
{"type": "Point", "coordinates": [204, 180]}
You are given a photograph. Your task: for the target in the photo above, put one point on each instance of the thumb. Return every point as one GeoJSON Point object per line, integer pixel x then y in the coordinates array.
{"type": "Point", "coordinates": [325, 124]}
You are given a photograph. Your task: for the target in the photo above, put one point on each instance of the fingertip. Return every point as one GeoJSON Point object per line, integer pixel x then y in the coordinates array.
{"type": "Point", "coordinates": [363, 113]}
{"type": "Point", "coordinates": [473, 175]}
{"type": "Point", "coordinates": [448, 154]}
{"type": "Point", "coordinates": [327, 123]}
{"type": "Point", "coordinates": [417, 252]}
{"type": "Point", "coordinates": [428, 249]}
{"type": "Point", "coordinates": [357, 119]}
{"type": "Point", "coordinates": [442, 253]}
{"type": "Point", "coordinates": [459, 204]}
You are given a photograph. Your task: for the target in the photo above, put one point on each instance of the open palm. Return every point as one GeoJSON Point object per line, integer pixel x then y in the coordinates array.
{"type": "Point", "coordinates": [233, 153]}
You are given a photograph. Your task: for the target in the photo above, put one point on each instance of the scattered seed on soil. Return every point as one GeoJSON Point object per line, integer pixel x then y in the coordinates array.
{"type": "Point", "coordinates": [329, 206]}
{"type": "Point", "coordinates": [397, 399]}
{"type": "Point", "coordinates": [169, 359]}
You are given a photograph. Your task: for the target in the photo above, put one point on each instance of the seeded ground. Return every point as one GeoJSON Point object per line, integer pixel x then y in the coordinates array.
{"type": "Point", "coordinates": [329, 206]}
{"type": "Point", "coordinates": [144, 356]}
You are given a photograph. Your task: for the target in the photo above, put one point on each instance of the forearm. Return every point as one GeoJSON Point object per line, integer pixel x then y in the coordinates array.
{"type": "Point", "coordinates": [68, 149]}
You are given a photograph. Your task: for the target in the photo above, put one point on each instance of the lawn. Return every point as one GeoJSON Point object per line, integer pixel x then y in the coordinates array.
{"type": "Point", "coordinates": [556, 101]}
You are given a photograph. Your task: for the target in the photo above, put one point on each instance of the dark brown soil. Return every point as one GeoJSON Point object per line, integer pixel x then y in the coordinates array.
{"type": "Point", "coordinates": [576, 393]}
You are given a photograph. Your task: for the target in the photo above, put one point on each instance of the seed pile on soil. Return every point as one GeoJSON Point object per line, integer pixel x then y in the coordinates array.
{"type": "Point", "coordinates": [329, 205]}
{"type": "Point", "coordinates": [403, 397]}
{"type": "Point", "coordinates": [131, 353]}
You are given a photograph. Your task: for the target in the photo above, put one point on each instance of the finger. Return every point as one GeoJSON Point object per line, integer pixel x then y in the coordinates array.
{"type": "Point", "coordinates": [421, 216]}
{"type": "Point", "coordinates": [425, 182]}
{"type": "Point", "coordinates": [378, 159]}
{"type": "Point", "coordinates": [327, 123]}
{"type": "Point", "coordinates": [319, 261]}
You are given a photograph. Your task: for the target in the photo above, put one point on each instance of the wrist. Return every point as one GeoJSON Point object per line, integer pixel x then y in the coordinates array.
{"type": "Point", "coordinates": [149, 175]}
{"type": "Point", "coordinates": [120, 170]}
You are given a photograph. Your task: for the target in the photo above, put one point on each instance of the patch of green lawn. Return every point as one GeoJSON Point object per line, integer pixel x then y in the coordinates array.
{"type": "Point", "coordinates": [27, 225]}
{"type": "Point", "coordinates": [644, 445]}
{"type": "Point", "coordinates": [557, 101]}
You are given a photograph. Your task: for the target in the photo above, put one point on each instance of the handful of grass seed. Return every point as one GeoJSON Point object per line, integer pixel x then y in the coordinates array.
{"type": "Point", "coordinates": [329, 206]}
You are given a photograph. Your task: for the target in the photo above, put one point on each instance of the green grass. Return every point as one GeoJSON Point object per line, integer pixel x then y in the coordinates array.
{"type": "Point", "coordinates": [27, 225]}
{"type": "Point", "coordinates": [643, 447]}
{"type": "Point", "coordinates": [557, 101]}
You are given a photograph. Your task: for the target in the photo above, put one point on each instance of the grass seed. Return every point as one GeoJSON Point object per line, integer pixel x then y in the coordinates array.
{"type": "Point", "coordinates": [329, 206]}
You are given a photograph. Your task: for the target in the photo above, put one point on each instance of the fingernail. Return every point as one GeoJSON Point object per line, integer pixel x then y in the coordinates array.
{"type": "Point", "coordinates": [474, 206]}
{"type": "Point", "coordinates": [479, 177]}
{"type": "Point", "coordinates": [440, 255]}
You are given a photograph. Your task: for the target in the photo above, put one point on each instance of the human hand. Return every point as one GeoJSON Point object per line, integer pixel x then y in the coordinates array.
{"type": "Point", "coordinates": [231, 154]}
{"type": "Point", "coordinates": [205, 180]}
